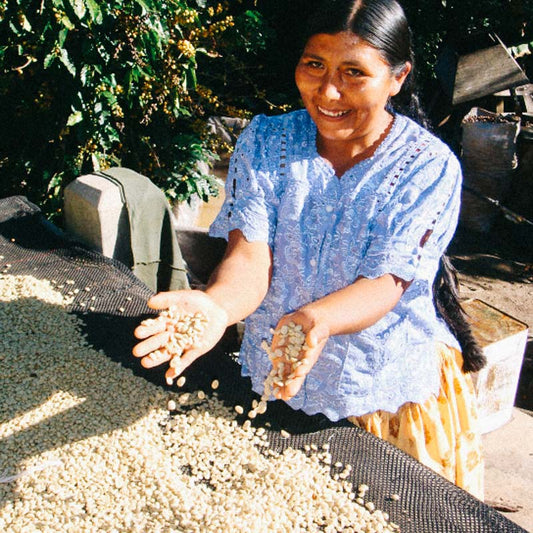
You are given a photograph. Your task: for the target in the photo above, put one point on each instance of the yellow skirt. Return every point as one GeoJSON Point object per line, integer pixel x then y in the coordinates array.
{"type": "Point", "coordinates": [442, 432]}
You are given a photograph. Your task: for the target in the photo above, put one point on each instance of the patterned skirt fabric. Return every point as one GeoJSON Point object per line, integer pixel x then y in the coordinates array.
{"type": "Point", "coordinates": [442, 432]}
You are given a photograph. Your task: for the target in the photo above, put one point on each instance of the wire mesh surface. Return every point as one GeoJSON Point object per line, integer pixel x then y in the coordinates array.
{"type": "Point", "coordinates": [112, 302]}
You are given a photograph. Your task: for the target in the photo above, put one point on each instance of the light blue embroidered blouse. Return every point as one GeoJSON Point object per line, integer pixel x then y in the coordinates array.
{"type": "Point", "coordinates": [325, 232]}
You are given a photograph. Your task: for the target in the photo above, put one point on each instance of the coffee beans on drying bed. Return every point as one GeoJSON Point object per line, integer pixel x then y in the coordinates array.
{"type": "Point", "coordinates": [86, 446]}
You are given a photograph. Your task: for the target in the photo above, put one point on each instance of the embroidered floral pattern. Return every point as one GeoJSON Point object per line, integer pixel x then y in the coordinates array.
{"type": "Point", "coordinates": [392, 213]}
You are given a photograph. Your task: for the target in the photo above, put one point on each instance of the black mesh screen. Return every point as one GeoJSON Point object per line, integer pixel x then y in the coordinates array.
{"type": "Point", "coordinates": [115, 302]}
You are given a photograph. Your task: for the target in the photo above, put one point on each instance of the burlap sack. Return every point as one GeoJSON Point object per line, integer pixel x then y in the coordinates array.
{"type": "Point", "coordinates": [488, 158]}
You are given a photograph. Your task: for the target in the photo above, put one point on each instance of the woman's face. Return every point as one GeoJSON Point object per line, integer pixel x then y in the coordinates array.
{"type": "Point", "coordinates": [345, 85]}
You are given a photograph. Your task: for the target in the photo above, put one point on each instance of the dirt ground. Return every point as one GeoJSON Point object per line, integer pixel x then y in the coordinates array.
{"type": "Point", "coordinates": [497, 268]}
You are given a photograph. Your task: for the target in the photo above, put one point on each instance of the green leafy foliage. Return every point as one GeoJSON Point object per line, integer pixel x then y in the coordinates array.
{"type": "Point", "coordinates": [85, 85]}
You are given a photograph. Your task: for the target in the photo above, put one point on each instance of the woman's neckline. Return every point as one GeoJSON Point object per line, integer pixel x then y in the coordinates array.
{"type": "Point", "coordinates": [367, 155]}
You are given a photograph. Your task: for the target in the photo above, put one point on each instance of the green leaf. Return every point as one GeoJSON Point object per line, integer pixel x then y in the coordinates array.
{"type": "Point", "coordinates": [109, 96]}
{"type": "Point", "coordinates": [190, 74]}
{"type": "Point", "coordinates": [64, 58]}
{"type": "Point", "coordinates": [152, 44]}
{"type": "Point", "coordinates": [49, 59]}
{"type": "Point", "coordinates": [95, 11]}
{"type": "Point", "coordinates": [62, 37]}
{"type": "Point", "coordinates": [78, 7]}
{"type": "Point", "coordinates": [67, 23]}
{"type": "Point", "coordinates": [103, 118]}
{"type": "Point", "coordinates": [74, 118]}
{"type": "Point", "coordinates": [84, 74]}
{"type": "Point", "coordinates": [14, 29]}
{"type": "Point", "coordinates": [144, 7]}
{"type": "Point", "coordinates": [55, 182]}
{"type": "Point", "coordinates": [113, 135]}
{"type": "Point", "coordinates": [25, 23]}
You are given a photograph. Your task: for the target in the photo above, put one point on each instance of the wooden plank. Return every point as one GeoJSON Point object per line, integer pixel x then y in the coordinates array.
{"type": "Point", "coordinates": [486, 72]}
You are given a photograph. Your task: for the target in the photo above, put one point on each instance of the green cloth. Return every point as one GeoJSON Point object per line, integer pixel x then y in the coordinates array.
{"type": "Point", "coordinates": [155, 253]}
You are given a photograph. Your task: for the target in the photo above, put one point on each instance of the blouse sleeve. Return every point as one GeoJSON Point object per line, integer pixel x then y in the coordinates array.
{"type": "Point", "coordinates": [250, 202]}
{"type": "Point", "coordinates": [418, 221]}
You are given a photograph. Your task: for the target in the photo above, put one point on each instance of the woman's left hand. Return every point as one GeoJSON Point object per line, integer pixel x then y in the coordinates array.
{"type": "Point", "coordinates": [316, 335]}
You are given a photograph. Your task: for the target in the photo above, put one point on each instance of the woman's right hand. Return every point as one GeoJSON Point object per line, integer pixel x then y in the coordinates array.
{"type": "Point", "coordinates": [155, 335]}
{"type": "Point", "coordinates": [316, 336]}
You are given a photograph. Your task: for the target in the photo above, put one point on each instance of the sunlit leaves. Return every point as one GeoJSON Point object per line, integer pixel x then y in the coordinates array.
{"type": "Point", "coordinates": [74, 118]}
{"type": "Point", "coordinates": [78, 6]}
{"type": "Point", "coordinates": [87, 84]}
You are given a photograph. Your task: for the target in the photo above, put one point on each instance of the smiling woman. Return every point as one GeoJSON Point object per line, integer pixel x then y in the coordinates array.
{"type": "Point", "coordinates": [337, 217]}
{"type": "Point", "coordinates": [345, 85]}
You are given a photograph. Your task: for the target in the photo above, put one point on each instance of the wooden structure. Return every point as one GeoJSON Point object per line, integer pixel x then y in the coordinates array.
{"type": "Point", "coordinates": [478, 73]}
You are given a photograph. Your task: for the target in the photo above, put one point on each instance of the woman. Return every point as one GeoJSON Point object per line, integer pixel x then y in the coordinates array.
{"type": "Point", "coordinates": [336, 218]}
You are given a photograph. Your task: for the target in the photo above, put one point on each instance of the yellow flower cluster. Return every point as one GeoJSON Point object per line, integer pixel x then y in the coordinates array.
{"type": "Point", "coordinates": [217, 27]}
{"type": "Point", "coordinates": [168, 111]}
{"type": "Point", "coordinates": [104, 162]}
{"type": "Point", "coordinates": [220, 147]}
{"type": "Point", "coordinates": [212, 11]}
{"type": "Point", "coordinates": [207, 95]}
{"type": "Point", "coordinates": [117, 89]}
{"type": "Point", "coordinates": [117, 111]}
{"type": "Point", "coordinates": [282, 107]}
{"type": "Point", "coordinates": [58, 15]}
{"type": "Point", "coordinates": [186, 16]}
{"type": "Point", "coordinates": [237, 112]}
{"type": "Point", "coordinates": [186, 48]}
{"type": "Point", "coordinates": [91, 146]}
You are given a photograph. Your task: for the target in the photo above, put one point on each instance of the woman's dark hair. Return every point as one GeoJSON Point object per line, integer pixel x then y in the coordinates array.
{"type": "Point", "coordinates": [383, 24]}
{"type": "Point", "coordinates": [446, 297]}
